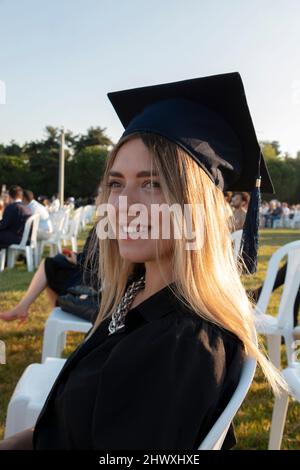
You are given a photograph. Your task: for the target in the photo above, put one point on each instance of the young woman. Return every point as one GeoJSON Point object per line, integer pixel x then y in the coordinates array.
{"type": "Point", "coordinates": [166, 351]}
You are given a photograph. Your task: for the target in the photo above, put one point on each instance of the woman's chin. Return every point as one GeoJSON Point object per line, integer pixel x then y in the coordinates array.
{"type": "Point", "coordinates": [133, 251]}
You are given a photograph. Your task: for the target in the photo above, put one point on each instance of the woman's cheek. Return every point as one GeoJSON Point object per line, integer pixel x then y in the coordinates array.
{"type": "Point", "coordinates": [113, 199]}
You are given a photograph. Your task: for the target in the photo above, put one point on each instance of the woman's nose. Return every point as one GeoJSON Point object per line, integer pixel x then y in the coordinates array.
{"type": "Point", "coordinates": [129, 205]}
{"type": "Point", "coordinates": [128, 195]}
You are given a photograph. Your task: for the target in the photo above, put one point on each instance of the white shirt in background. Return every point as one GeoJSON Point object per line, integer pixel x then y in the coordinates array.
{"type": "Point", "coordinates": [286, 211]}
{"type": "Point", "coordinates": [45, 223]}
{"type": "Point", "coordinates": [55, 205]}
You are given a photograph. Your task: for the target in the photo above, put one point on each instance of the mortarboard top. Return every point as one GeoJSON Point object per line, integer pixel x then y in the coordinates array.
{"type": "Point", "coordinates": [209, 118]}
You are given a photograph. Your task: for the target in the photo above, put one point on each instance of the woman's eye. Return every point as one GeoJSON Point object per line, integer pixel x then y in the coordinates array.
{"type": "Point", "coordinates": [151, 184]}
{"type": "Point", "coordinates": [114, 184]}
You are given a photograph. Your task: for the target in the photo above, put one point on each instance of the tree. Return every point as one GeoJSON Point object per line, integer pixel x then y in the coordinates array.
{"type": "Point", "coordinates": [85, 170]}
{"type": "Point", "coordinates": [12, 149]}
{"type": "Point", "coordinates": [13, 170]}
{"type": "Point", "coordinates": [43, 158]}
{"type": "Point", "coordinates": [276, 146]}
{"type": "Point", "coordinates": [95, 136]}
{"type": "Point", "coordinates": [285, 174]}
{"type": "Point", "coordinates": [270, 150]}
{"type": "Point", "coordinates": [35, 164]}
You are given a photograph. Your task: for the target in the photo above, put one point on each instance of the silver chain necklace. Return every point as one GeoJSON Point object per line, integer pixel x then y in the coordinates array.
{"type": "Point", "coordinates": [118, 316]}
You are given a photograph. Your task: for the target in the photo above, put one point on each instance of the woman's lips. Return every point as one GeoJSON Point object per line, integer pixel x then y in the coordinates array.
{"type": "Point", "coordinates": [130, 232]}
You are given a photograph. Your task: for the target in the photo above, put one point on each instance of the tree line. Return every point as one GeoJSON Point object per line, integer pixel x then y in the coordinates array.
{"type": "Point", "coordinates": [34, 165]}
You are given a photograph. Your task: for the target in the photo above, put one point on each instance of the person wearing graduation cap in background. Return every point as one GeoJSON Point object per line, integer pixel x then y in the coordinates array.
{"type": "Point", "coordinates": [165, 353]}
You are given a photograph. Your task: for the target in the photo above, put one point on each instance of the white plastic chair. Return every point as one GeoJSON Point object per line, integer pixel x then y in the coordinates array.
{"type": "Point", "coordinates": [56, 327]}
{"type": "Point", "coordinates": [56, 218]}
{"type": "Point", "coordinates": [215, 437]}
{"type": "Point", "coordinates": [55, 240]}
{"type": "Point", "coordinates": [90, 213]}
{"type": "Point", "coordinates": [30, 395]}
{"type": "Point", "coordinates": [37, 380]}
{"type": "Point", "coordinates": [292, 377]}
{"type": "Point", "coordinates": [2, 352]}
{"type": "Point", "coordinates": [283, 324]}
{"type": "Point", "coordinates": [87, 215]}
{"type": "Point", "coordinates": [67, 214]}
{"type": "Point", "coordinates": [296, 333]}
{"type": "Point", "coordinates": [2, 259]}
{"type": "Point", "coordinates": [236, 237]}
{"type": "Point", "coordinates": [30, 250]}
{"type": "Point", "coordinates": [83, 216]}
{"type": "Point", "coordinates": [73, 230]}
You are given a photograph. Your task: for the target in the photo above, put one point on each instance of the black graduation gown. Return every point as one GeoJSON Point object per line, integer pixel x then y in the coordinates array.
{"type": "Point", "coordinates": [158, 383]}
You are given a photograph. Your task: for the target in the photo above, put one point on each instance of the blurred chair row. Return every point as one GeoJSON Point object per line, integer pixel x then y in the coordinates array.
{"type": "Point", "coordinates": [286, 222]}
{"type": "Point", "coordinates": [28, 245]}
{"type": "Point", "coordinates": [66, 227]}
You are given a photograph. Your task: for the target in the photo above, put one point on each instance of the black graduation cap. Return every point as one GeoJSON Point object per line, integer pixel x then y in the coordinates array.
{"type": "Point", "coordinates": [210, 119]}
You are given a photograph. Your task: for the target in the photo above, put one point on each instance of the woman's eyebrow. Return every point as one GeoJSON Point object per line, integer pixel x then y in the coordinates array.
{"type": "Point", "coordinates": [115, 173]}
{"type": "Point", "coordinates": [140, 174]}
{"type": "Point", "coordinates": [143, 174]}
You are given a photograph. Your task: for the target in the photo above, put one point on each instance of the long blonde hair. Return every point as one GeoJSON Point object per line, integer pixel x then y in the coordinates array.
{"type": "Point", "coordinates": [207, 280]}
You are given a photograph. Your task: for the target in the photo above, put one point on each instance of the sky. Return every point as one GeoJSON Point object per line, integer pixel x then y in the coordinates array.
{"type": "Point", "coordinates": [60, 58]}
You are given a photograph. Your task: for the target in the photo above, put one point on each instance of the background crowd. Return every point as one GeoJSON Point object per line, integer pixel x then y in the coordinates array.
{"type": "Point", "coordinates": [273, 214]}
{"type": "Point", "coordinates": [18, 204]}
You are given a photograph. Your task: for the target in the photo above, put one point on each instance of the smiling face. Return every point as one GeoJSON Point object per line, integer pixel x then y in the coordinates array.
{"type": "Point", "coordinates": [132, 176]}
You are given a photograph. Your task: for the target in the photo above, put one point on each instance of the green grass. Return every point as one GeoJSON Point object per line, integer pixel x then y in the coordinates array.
{"type": "Point", "coordinates": [24, 343]}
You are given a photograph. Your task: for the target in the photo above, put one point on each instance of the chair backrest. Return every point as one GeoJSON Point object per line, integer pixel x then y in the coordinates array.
{"type": "Point", "coordinates": [34, 229]}
{"type": "Point", "coordinates": [30, 229]}
{"type": "Point", "coordinates": [215, 437]}
{"type": "Point", "coordinates": [67, 214]}
{"type": "Point", "coordinates": [84, 211]}
{"type": "Point", "coordinates": [2, 352]}
{"type": "Point", "coordinates": [291, 284]}
{"type": "Point", "coordinates": [93, 210]}
{"type": "Point", "coordinates": [75, 221]}
{"type": "Point", "coordinates": [85, 215]}
{"type": "Point", "coordinates": [62, 222]}
{"type": "Point", "coordinates": [236, 237]}
{"type": "Point", "coordinates": [56, 218]}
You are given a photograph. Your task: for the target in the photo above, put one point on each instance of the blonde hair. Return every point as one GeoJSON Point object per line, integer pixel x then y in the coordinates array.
{"type": "Point", "coordinates": [207, 280]}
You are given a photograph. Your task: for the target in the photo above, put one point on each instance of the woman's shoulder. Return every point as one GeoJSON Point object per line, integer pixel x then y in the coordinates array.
{"type": "Point", "coordinates": [215, 338]}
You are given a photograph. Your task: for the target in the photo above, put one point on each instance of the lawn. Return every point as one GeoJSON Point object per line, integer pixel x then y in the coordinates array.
{"type": "Point", "coordinates": [24, 342]}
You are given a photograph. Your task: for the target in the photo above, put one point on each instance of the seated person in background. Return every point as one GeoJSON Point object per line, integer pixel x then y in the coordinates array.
{"type": "Point", "coordinates": [228, 196]}
{"type": "Point", "coordinates": [285, 213]}
{"type": "Point", "coordinates": [276, 213]}
{"type": "Point", "coordinates": [5, 199]}
{"type": "Point", "coordinates": [269, 214]}
{"type": "Point", "coordinates": [240, 202]}
{"type": "Point", "coordinates": [56, 275]}
{"type": "Point", "coordinates": [45, 225]}
{"type": "Point", "coordinates": [14, 218]}
{"type": "Point", "coordinates": [71, 203]}
{"type": "Point", "coordinates": [45, 201]}
{"type": "Point", "coordinates": [263, 211]}
{"type": "Point", "coordinates": [55, 203]}
{"type": "Point", "coordinates": [1, 208]}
